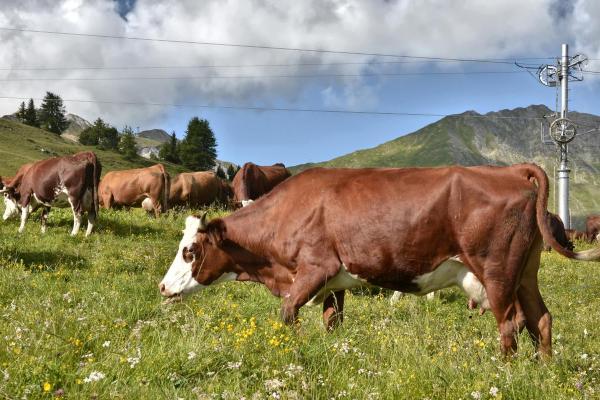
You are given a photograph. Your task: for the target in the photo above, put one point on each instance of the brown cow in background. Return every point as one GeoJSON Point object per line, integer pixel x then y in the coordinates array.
{"type": "Point", "coordinates": [592, 227]}
{"type": "Point", "coordinates": [130, 187]}
{"type": "Point", "coordinates": [197, 189]}
{"type": "Point", "coordinates": [253, 181]}
{"type": "Point", "coordinates": [76, 176]}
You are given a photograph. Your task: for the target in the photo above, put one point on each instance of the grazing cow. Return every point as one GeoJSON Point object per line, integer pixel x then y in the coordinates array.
{"type": "Point", "coordinates": [11, 208]}
{"type": "Point", "coordinates": [592, 227]}
{"type": "Point", "coordinates": [196, 189]}
{"type": "Point", "coordinates": [414, 229]}
{"type": "Point", "coordinates": [130, 187]}
{"type": "Point", "coordinates": [76, 176]}
{"type": "Point", "coordinates": [253, 181]}
{"type": "Point", "coordinates": [574, 234]}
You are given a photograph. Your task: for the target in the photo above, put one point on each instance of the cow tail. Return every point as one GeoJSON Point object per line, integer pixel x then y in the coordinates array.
{"type": "Point", "coordinates": [542, 217]}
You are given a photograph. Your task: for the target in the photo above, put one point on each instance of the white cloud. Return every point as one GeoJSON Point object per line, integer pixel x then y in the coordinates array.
{"type": "Point", "coordinates": [464, 28]}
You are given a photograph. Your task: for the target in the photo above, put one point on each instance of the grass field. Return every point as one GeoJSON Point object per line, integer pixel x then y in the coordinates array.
{"type": "Point", "coordinates": [82, 318]}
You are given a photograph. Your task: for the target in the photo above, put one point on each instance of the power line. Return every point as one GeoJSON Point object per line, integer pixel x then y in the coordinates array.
{"type": "Point", "coordinates": [264, 47]}
{"type": "Point", "coordinates": [290, 76]}
{"type": "Point", "coordinates": [278, 109]}
{"type": "Point", "coordinates": [142, 67]}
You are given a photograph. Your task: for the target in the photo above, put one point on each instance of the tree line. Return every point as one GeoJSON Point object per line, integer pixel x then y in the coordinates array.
{"type": "Point", "coordinates": [197, 151]}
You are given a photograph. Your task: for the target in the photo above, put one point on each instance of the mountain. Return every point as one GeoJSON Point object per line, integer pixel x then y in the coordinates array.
{"type": "Point", "coordinates": [498, 138]}
{"type": "Point", "coordinates": [20, 144]}
{"type": "Point", "coordinates": [157, 135]}
{"type": "Point", "coordinates": [76, 126]}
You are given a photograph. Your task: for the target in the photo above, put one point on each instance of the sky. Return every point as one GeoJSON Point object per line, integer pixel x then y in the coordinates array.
{"type": "Point", "coordinates": [357, 67]}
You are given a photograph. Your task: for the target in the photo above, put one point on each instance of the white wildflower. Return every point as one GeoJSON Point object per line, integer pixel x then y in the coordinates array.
{"type": "Point", "coordinates": [94, 377]}
{"type": "Point", "coordinates": [89, 355]}
{"type": "Point", "coordinates": [585, 332]}
{"type": "Point", "coordinates": [234, 365]}
{"type": "Point", "coordinates": [106, 344]}
{"type": "Point", "coordinates": [584, 356]}
{"type": "Point", "coordinates": [476, 395]}
{"type": "Point", "coordinates": [191, 355]}
{"type": "Point", "coordinates": [133, 361]}
{"type": "Point", "coordinates": [276, 395]}
{"type": "Point", "coordinates": [493, 391]}
{"type": "Point", "coordinates": [274, 384]}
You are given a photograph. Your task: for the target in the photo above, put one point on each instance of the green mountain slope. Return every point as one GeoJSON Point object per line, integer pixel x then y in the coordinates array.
{"type": "Point", "coordinates": [20, 144]}
{"type": "Point", "coordinates": [501, 138]}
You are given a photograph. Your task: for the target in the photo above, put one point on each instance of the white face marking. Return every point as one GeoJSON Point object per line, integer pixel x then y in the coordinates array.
{"type": "Point", "coordinates": [341, 281]}
{"type": "Point", "coordinates": [247, 202]}
{"type": "Point", "coordinates": [453, 272]}
{"type": "Point", "coordinates": [10, 208]}
{"type": "Point", "coordinates": [179, 279]}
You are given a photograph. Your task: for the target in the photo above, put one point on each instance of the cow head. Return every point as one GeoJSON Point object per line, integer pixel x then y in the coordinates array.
{"type": "Point", "coordinates": [11, 197]}
{"type": "Point", "coordinates": [200, 260]}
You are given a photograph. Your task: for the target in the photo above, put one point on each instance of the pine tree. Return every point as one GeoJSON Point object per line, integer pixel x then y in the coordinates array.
{"type": "Point", "coordinates": [231, 171]}
{"type": "Point", "coordinates": [30, 116]}
{"type": "Point", "coordinates": [198, 150]}
{"type": "Point", "coordinates": [52, 114]}
{"type": "Point", "coordinates": [169, 150]}
{"type": "Point", "coordinates": [220, 173]}
{"type": "Point", "coordinates": [21, 113]}
{"type": "Point", "coordinates": [108, 138]}
{"type": "Point", "coordinates": [127, 143]}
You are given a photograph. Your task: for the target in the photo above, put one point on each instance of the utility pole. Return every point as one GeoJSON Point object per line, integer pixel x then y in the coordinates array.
{"type": "Point", "coordinates": [562, 130]}
{"type": "Point", "coordinates": [563, 169]}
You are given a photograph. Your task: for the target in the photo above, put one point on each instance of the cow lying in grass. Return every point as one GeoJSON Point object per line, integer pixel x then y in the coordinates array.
{"type": "Point", "coordinates": [415, 230]}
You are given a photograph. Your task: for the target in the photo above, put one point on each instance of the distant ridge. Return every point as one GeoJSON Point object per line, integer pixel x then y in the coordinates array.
{"type": "Point", "coordinates": [465, 140]}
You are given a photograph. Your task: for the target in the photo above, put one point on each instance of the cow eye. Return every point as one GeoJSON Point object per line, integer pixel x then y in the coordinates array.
{"type": "Point", "coordinates": [188, 255]}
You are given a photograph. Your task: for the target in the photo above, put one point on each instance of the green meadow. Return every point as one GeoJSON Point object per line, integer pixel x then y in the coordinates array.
{"type": "Point", "coordinates": [82, 318]}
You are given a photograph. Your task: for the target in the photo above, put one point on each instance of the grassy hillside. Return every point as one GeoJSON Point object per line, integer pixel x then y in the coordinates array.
{"type": "Point", "coordinates": [20, 144]}
{"type": "Point", "coordinates": [498, 138]}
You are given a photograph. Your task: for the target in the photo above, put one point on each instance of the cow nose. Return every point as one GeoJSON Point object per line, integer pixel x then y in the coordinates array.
{"type": "Point", "coordinates": [162, 288]}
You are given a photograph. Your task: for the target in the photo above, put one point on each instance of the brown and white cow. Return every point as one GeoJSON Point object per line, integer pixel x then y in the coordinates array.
{"type": "Point", "coordinates": [11, 208]}
{"type": "Point", "coordinates": [197, 189]}
{"type": "Point", "coordinates": [253, 181]}
{"type": "Point", "coordinates": [129, 188]}
{"type": "Point", "coordinates": [415, 230]}
{"type": "Point", "coordinates": [76, 176]}
{"type": "Point", "coordinates": [592, 227]}
{"type": "Point", "coordinates": [575, 235]}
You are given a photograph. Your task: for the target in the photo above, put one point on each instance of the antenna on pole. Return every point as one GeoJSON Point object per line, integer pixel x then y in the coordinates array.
{"type": "Point", "coordinates": [561, 130]}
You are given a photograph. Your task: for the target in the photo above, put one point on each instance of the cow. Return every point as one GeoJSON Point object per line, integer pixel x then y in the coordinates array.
{"type": "Point", "coordinates": [592, 227]}
{"type": "Point", "coordinates": [77, 176]}
{"type": "Point", "coordinates": [253, 181]}
{"type": "Point", "coordinates": [415, 230]}
{"type": "Point", "coordinates": [130, 187]}
{"type": "Point", "coordinates": [197, 189]}
{"type": "Point", "coordinates": [574, 235]}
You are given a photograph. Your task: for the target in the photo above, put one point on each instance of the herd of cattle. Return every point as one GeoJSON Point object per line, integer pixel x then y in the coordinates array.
{"type": "Point", "coordinates": [78, 177]}
{"type": "Point", "coordinates": [310, 237]}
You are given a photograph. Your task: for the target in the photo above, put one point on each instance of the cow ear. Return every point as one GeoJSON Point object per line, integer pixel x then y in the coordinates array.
{"type": "Point", "coordinates": [216, 231]}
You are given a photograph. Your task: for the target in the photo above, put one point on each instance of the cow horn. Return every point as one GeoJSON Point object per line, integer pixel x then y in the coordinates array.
{"type": "Point", "coordinates": [203, 221]}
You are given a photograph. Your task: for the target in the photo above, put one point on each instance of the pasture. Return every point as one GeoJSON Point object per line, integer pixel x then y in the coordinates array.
{"type": "Point", "coordinates": [82, 318]}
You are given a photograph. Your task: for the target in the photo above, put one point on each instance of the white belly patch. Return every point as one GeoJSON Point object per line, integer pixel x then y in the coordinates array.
{"type": "Point", "coordinates": [342, 280]}
{"type": "Point", "coordinates": [453, 272]}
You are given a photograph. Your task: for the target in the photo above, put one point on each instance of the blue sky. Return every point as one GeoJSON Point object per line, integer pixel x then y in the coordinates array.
{"type": "Point", "coordinates": [431, 28]}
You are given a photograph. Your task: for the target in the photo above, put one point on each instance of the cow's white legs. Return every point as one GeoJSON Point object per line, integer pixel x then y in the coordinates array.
{"type": "Point", "coordinates": [91, 221]}
{"type": "Point", "coordinates": [44, 218]}
{"type": "Point", "coordinates": [396, 297]}
{"type": "Point", "coordinates": [24, 216]}
{"type": "Point", "coordinates": [76, 223]}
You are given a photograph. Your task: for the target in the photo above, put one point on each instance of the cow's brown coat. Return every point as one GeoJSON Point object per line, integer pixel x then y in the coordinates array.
{"type": "Point", "coordinates": [253, 181]}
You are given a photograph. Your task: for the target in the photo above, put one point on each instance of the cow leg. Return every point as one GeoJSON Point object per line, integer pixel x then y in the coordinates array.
{"type": "Point", "coordinates": [77, 217]}
{"type": "Point", "coordinates": [333, 310]}
{"type": "Point", "coordinates": [307, 284]}
{"type": "Point", "coordinates": [396, 296]}
{"type": "Point", "coordinates": [91, 222]}
{"type": "Point", "coordinates": [44, 218]}
{"type": "Point", "coordinates": [24, 216]}
{"type": "Point", "coordinates": [502, 303]}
